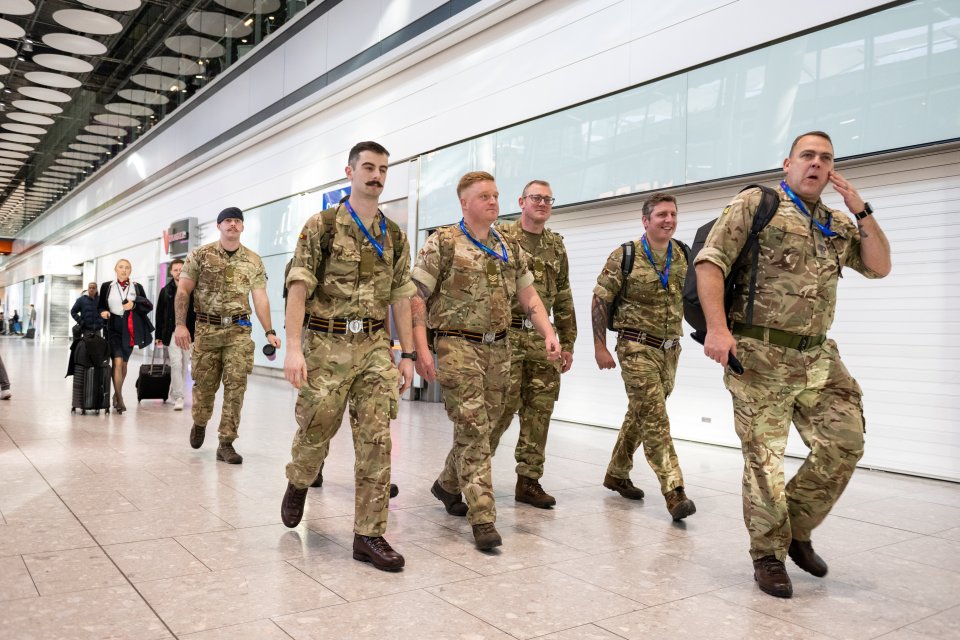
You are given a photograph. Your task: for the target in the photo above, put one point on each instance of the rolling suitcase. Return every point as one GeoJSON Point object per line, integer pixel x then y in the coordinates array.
{"type": "Point", "coordinates": [30, 334]}
{"type": "Point", "coordinates": [153, 383]}
{"type": "Point", "coordinates": [91, 376]}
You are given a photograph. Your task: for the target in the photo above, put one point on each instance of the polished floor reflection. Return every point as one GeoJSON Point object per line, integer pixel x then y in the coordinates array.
{"type": "Point", "coordinates": [111, 526]}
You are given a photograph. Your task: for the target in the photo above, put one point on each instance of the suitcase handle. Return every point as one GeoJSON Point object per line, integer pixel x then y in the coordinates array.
{"type": "Point", "coordinates": [153, 359]}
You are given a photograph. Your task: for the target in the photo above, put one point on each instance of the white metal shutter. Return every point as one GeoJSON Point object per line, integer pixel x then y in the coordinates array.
{"type": "Point", "coordinates": [898, 335]}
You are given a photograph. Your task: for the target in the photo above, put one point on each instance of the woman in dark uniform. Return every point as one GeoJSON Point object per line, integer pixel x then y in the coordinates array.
{"type": "Point", "coordinates": [124, 305]}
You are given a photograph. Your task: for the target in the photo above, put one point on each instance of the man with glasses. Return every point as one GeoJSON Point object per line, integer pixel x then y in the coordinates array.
{"type": "Point", "coordinates": [792, 372]}
{"type": "Point", "coordinates": [648, 321]}
{"type": "Point", "coordinates": [534, 379]}
{"type": "Point", "coordinates": [466, 276]}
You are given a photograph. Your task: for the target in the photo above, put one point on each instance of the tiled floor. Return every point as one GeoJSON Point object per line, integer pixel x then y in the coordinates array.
{"type": "Point", "coordinates": [113, 527]}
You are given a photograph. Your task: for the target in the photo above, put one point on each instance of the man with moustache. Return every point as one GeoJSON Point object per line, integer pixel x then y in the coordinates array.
{"type": "Point", "coordinates": [166, 321]}
{"type": "Point", "coordinates": [350, 264]}
{"type": "Point", "coordinates": [224, 275]}
{"type": "Point", "coordinates": [649, 322]}
{"type": "Point", "coordinates": [535, 380]}
{"type": "Point", "coordinates": [466, 276]}
{"type": "Point", "coordinates": [792, 372]}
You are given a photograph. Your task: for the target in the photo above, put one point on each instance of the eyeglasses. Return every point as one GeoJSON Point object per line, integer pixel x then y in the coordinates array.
{"type": "Point", "coordinates": [538, 199]}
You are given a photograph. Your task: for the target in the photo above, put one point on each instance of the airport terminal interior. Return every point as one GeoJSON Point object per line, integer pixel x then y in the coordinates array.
{"type": "Point", "coordinates": [126, 126]}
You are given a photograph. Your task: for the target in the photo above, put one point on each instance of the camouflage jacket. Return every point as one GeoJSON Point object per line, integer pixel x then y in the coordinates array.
{"type": "Point", "coordinates": [470, 289]}
{"type": "Point", "coordinates": [547, 261]}
{"type": "Point", "coordinates": [224, 282]}
{"type": "Point", "coordinates": [798, 269]}
{"type": "Point", "coordinates": [345, 277]}
{"type": "Point", "coordinates": [646, 306]}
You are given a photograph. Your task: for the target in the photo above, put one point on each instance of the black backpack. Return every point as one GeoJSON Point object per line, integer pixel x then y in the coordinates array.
{"type": "Point", "coordinates": [626, 267]}
{"type": "Point", "coordinates": [692, 311]}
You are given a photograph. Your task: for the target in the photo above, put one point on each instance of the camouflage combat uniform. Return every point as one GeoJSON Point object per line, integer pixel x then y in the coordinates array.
{"type": "Point", "coordinates": [471, 291]}
{"type": "Point", "coordinates": [346, 279]}
{"type": "Point", "coordinates": [223, 286]}
{"type": "Point", "coordinates": [796, 293]}
{"type": "Point", "coordinates": [648, 372]}
{"type": "Point", "coordinates": [534, 380]}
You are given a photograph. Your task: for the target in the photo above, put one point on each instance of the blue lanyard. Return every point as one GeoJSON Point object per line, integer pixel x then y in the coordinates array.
{"type": "Point", "coordinates": [825, 230]}
{"type": "Point", "coordinates": [383, 228]}
{"type": "Point", "coordinates": [665, 276]}
{"type": "Point", "coordinates": [485, 248]}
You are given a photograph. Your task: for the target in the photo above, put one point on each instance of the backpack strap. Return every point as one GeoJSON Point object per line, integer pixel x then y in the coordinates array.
{"type": "Point", "coordinates": [769, 203]}
{"type": "Point", "coordinates": [626, 268]}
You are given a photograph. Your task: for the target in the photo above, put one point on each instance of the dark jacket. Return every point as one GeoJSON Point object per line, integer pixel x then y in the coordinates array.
{"type": "Point", "coordinates": [86, 314]}
{"type": "Point", "coordinates": [166, 313]}
{"type": "Point", "coordinates": [142, 327]}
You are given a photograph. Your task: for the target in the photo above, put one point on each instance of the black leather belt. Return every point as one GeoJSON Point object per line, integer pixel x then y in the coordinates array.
{"type": "Point", "coordinates": [472, 336]}
{"type": "Point", "coordinates": [221, 321]}
{"type": "Point", "coordinates": [521, 323]}
{"type": "Point", "coordinates": [341, 326]}
{"type": "Point", "coordinates": [635, 335]}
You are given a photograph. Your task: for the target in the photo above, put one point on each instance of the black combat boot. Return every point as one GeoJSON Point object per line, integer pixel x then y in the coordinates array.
{"type": "Point", "coordinates": [291, 509]}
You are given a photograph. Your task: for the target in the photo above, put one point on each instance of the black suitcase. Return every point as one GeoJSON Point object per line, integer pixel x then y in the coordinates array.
{"type": "Point", "coordinates": [30, 334]}
{"type": "Point", "coordinates": [91, 376]}
{"type": "Point", "coordinates": [153, 383]}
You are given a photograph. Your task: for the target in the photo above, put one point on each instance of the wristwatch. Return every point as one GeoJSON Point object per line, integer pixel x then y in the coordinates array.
{"type": "Point", "coordinates": [867, 211]}
{"type": "Point", "coordinates": [410, 356]}
{"type": "Point", "coordinates": [267, 334]}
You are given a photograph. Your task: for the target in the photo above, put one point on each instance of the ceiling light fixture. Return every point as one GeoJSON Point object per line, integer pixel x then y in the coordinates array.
{"type": "Point", "coordinates": [248, 22]}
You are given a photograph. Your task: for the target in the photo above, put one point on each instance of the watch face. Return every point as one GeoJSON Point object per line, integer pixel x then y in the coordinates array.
{"type": "Point", "coordinates": [867, 208]}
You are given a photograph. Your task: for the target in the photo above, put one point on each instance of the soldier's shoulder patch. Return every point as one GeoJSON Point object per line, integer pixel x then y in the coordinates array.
{"type": "Point", "coordinates": [725, 211]}
{"type": "Point", "coordinates": [302, 236]}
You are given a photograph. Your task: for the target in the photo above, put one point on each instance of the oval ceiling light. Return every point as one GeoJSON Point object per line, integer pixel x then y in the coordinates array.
{"type": "Point", "coordinates": [36, 107]}
{"type": "Point", "coordinates": [11, 161]}
{"type": "Point", "coordinates": [87, 22]}
{"type": "Point", "coordinates": [116, 120]}
{"type": "Point", "coordinates": [11, 30]}
{"type": "Point", "coordinates": [158, 82]}
{"type": "Point", "coordinates": [217, 24]}
{"type": "Point", "coordinates": [42, 93]}
{"type": "Point", "coordinates": [19, 137]}
{"type": "Point", "coordinates": [15, 146]}
{"type": "Point", "coordinates": [143, 97]}
{"type": "Point", "coordinates": [52, 79]}
{"type": "Point", "coordinates": [76, 155]}
{"type": "Point", "coordinates": [113, 5]}
{"type": "Point", "coordinates": [72, 163]}
{"type": "Point", "coordinates": [174, 66]}
{"type": "Point", "coordinates": [88, 148]}
{"type": "Point", "coordinates": [193, 46]}
{"type": "Point", "coordinates": [30, 118]}
{"type": "Point", "coordinates": [23, 128]}
{"type": "Point", "coordinates": [17, 7]}
{"type": "Point", "coordinates": [97, 139]}
{"type": "Point", "coordinates": [249, 6]}
{"type": "Point", "coordinates": [103, 130]}
{"type": "Point", "coordinates": [63, 168]}
{"type": "Point", "coordinates": [3, 70]}
{"type": "Point", "coordinates": [59, 62]}
{"type": "Point", "coordinates": [55, 172]}
{"type": "Point", "coordinates": [13, 155]}
{"type": "Point", "coordinates": [72, 43]}
{"type": "Point", "coordinates": [128, 109]}
{"type": "Point", "coordinates": [7, 52]}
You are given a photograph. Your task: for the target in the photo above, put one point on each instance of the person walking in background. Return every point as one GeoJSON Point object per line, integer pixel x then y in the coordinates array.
{"type": "Point", "coordinates": [85, 311]}
{"type": "Point", "coordinates": [166, 322]}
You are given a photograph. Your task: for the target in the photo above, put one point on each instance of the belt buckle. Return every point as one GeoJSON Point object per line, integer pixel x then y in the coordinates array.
{"type": "Point", "coordinates": [489, 337]}
{"type": "Point", "coordinates": [803, 343]}
{"type": "Point", "coordinates": [527, 323]}
{"type": "Point", "coordinates": [355, 326]}
{"type": "Point", "coordinates": [668, 344]}
{"type": "Point", "coordinates": [226, 321]}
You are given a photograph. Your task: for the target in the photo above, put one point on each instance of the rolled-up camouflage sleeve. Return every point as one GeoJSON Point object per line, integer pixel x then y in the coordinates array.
{"type": "Point", "coordinates": [307, 255]}
{"type": "Point", "coordinates": [611, 277]}
{"type": "Point", "coordinates": [564, 316]}
{"type": "Point", "coordinates": [728, 236]}
{"type": "Point", "coordinates": [853, 256]}
{"type": "Point", "coordinates": [402, 286]}
{"type": "Point", "coordinates": [524, 276]}
{"type": "Point", "coordinates": [426, 271]}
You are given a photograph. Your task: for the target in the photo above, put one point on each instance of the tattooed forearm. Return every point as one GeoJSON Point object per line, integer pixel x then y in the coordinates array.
{"type": "Point", "coordinates": [863, 232]}
{"type": "Point", "coordinates": [598, 312]}
{"type": "Point", "coordinates": [418, 309]}
{"type": "Point", "coordinates": [180, 304]}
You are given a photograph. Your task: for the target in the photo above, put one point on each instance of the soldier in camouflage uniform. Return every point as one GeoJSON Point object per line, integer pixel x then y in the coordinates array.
{"type": "Point", "coordinates": [648, 321]}
{"type": "Point", "coordinates": [534, 380]}
{"type": "Point", "coordinates": [466, 276]}
{"type": "Point", "coordinates": [223, 275]}
{"type": "Point", "coordinates": [792, 371]}
{"type": "Point", "coordinates": [350, 264]}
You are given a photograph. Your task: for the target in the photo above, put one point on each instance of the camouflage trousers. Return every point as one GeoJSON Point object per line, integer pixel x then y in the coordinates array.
{"type": "Point", "coordinates": [221, 353]}
{"type": "Point", "coordinates": [648, 375]}
{"type": "Point", "coordinates": [534, 387]}
{"type": "Point", "coordinates": [474, 379]}
{"type": "Point", "coordinates": [355, 370]}
{"type": "Point", "coordinates": [815, 391]}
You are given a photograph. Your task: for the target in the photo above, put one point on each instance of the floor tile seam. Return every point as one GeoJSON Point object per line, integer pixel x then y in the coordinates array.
{"type": "Point", "coordinates": [307, 575]}
{"type": "Point", "coordinates": [36, 589]}
{"type": "Point", "coordinates": [419, 544]}
{"type": "Point", "coordinates": [926, 564]}
{"type": "Point", "coordinates": [885, 526]}
{"type": "Point", "coordinates": [462, 610]}
{"type": "Point", "coordinates": [523, 528]}
{"type": "Point", "coordinates": [190, 553]}
{"type": "Point", "coordinates": [559, 571]}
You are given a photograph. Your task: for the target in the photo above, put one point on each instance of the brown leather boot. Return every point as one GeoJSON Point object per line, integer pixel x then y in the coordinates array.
{"type": "Point", "coordinates": [291, 509]}
{"type": "Point", "coordinates": [623, 487]}
{"type": "Point", "coordinates": [772, 578]}
{"type": "Point", "coordinates": [452, 502]}
{"type": "Point", "coordinates": [197, 432]}
{"type": "Point", "coordinates": [803, 555]}
{"type": "Point", "coordinates": [529, 491]}
{"type": "Point", "coordinates": [318, 481]}
{"type": "Point", "coordinates": [486, 536]}
{"type": "Point", "coordinates": [226, 453]}
{"type": "Point", "coordinates": [679, 505]}
{"type": "Point", "coordinates": [377, 551]}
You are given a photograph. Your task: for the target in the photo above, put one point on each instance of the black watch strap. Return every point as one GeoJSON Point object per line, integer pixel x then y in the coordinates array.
{"type": "Point", "coordinates": [867, 211]}
{"type": "Point", "coordinates": [412, 355]}
{"type": "Point", "coordinates": [270, 333]}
